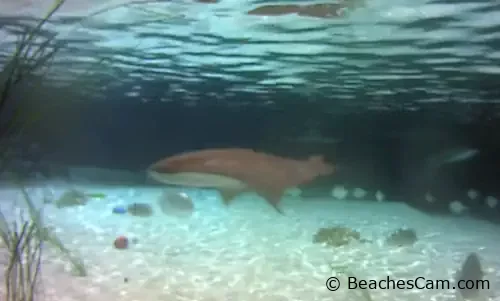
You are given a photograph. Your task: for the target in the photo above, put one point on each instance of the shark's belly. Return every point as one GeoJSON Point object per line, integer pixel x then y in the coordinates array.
{"type": "Point", "coordinates": [193, 179]}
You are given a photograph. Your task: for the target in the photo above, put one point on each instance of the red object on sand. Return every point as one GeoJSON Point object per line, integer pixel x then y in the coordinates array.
{"type": "Point", "coordinates": [121, 242]}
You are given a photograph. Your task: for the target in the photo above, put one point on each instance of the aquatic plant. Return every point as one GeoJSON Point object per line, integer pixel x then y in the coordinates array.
{"type": "Point", "coordinates": [24, 248]}
{"type": "Point", "coordinates": [31, 56]}
{"type": "Point", "coordinates": [46, 234]}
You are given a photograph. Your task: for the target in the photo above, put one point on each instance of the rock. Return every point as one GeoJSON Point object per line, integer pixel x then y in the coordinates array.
{"type": "Point", "coordinates": [175, 203]}
{"type": "Point", "coordinates": [336, 236]}
{"type": "Point", "coordinates": [140, 209]}
{"type": "Point", "coordinates": [121, 242]}
{"type": "Point", "coordinates": [402, 237]}
{"type": "Point", "coordinates": [71, 198]}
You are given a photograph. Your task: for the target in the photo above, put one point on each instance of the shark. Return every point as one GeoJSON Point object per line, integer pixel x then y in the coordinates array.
{"type": "Point", "coordinates": [233, 171]}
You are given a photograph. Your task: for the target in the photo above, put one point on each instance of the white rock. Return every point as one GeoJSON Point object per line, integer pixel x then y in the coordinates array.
{"type": "Point", "coordinates": [472, 194]}
{"type": "Point", "coordinates": [429, 197]}
{"type": "Point", "coordinates": [339, 192]}
{"type": "Point", "coordinates": [456, 207]}
{"type": "Point", "coordinates": [359, 193]}
{"type": "Point", "coordinates": [379, 196]}
{"type": "Point", "coordinates": [491, 201]}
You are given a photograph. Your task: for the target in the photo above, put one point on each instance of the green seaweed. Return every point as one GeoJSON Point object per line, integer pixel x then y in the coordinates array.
{"type": "Point", "coordinates": [96, 195]}
{"type": "Point", "coordinates": [29, 58]}
{"type": "Point", "coordinates": [46, 234]}
{"type": "Point", "coordinates": [24, 259]}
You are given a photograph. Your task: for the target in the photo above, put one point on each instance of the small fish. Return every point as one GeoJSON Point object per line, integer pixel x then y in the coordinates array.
{"type": "Point", "coordinates": [450, 156]}
{"type": "Point", "coordinates": [430, 167]}
{"type": "Point", "coordinates": [470, 270]}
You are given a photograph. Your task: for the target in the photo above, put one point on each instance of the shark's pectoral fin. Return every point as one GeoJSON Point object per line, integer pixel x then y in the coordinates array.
{"type": "Point", "coordinates": [272, 196]}
{"type": "Point", "coordinates": [229, 194]}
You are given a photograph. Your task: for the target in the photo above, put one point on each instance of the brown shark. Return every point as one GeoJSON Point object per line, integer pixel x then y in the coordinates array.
{"type": "Point", "coordinates": [233, 171]}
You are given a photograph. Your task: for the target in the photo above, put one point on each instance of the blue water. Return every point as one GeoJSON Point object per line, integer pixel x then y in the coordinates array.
{"type": "Point", "coordinates": [378, 90]}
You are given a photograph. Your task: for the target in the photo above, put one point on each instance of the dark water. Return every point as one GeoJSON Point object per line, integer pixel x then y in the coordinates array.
{"type": "Point", "coordinates": [377, 91]}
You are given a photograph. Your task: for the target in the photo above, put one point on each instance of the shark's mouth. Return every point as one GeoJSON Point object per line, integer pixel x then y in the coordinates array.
{"type": "Point", "coordinates": [194, 179]}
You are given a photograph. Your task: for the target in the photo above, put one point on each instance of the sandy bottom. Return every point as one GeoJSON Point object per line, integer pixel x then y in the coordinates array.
{"type": "Point", "coordinates": [248, 252]}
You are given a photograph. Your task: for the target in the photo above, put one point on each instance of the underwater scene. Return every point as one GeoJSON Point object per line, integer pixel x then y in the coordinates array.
{"type": "Point", "coordinates": [249, 150]}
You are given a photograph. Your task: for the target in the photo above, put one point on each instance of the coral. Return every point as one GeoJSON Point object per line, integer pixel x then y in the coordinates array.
{"type": "Point", "coordinates": [336, 236]}
{"type": "Point", "coordinates": [402, 237]}
{"type": "Point", "coordinates": [71, 198]}
{"type": "Point", "coordinates": [140, 209]}
{"type": "Point", "coordinates": [175, 203]}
